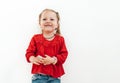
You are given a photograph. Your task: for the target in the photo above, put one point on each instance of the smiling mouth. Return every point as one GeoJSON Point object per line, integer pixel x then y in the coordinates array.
{"type": "Point", "coordinates": [48, 25]}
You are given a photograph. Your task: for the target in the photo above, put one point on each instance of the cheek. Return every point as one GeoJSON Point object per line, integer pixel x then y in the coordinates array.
{"type": "Point", "coordinates": [56, 25]}
{"type": "Point", "coordinates": [41, 24]}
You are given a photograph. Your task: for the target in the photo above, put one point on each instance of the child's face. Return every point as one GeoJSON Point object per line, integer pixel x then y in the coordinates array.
{"type": "Point", "coordinates": [48, 21]}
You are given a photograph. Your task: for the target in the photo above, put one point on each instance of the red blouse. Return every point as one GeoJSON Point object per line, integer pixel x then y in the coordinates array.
{"type": "Point", "coordinates": [56, 47]}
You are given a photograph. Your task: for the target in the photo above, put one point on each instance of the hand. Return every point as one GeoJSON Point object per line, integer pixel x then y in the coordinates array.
{"type": "Point", "coordinates": [40, 59]}
{"type": "Point", "coordinates": [36, 60]}
{"type": "Point", "coordinates": [48, 60]}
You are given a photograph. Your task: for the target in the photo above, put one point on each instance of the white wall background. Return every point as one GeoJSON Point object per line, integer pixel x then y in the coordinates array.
{"type": "Point", "coordinates": [91, 29]}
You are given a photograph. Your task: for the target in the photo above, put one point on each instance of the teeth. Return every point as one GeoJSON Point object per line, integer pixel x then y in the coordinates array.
{"type": "Point", "coordinates": [47, 25]}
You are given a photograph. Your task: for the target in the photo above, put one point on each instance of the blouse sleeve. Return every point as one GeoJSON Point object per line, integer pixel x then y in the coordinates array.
{"type": "Point", "coordinates": [31, 50]}
{"type": "Point", "coordinates": [63, 53]}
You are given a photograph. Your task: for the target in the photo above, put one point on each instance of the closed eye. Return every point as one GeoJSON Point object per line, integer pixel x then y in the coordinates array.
{"type": "Point", "coordinates": [52, 19]}
{"type": "Point", "coordinates": [44, 19]}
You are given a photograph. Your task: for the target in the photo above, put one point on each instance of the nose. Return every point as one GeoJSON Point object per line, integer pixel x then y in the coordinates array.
{"type": "Point", "coordinates": [48, 23]}
{"type": "Point", "coordinates": [48, 20]}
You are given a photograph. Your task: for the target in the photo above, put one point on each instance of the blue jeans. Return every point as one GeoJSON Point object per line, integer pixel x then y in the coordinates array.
{"type": "Point", "coordinates": [39, 78]}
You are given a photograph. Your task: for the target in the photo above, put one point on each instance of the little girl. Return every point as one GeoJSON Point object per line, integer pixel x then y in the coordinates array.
{"type": "Point", "coordinates": [47, 51]}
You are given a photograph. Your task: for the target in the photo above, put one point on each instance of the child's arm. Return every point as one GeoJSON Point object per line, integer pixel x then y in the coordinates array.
{"type": "Point", "coordinates": [63, 53]}
{"type": "Point", "coordinates": [31, 49]}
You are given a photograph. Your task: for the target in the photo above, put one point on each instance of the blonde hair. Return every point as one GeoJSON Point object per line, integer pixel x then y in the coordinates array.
{"type": "Point", "coordinates": [58, 17]}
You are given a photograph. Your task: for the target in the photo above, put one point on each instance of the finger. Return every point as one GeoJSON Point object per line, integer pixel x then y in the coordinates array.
{"type": "Point", "coordinates": [40, 57]}
{"type": "Point", "coordinates": [39, 60]}
{"type": "Point", "coordinates": [46, 56]}
{"type": "Point", "coordinates": [46, 63]}
{"type": "Point", "coordinates": [36, 63]}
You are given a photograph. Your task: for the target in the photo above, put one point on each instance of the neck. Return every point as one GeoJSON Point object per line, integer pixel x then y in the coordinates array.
{"type": "Point", "coordinates": [49, 36]}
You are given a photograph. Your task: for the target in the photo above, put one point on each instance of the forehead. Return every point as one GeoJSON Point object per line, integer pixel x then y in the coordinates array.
{"type": "Point", "coordinates": [48, 13]}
